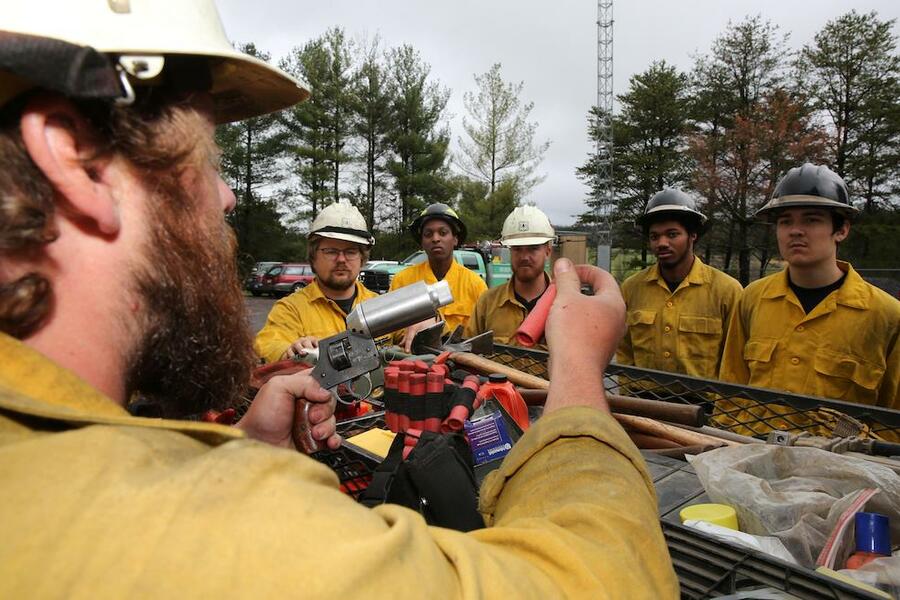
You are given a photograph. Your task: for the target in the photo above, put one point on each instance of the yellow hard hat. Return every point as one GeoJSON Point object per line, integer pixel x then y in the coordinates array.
{"type": "Point", "coordinates": [107, 48]}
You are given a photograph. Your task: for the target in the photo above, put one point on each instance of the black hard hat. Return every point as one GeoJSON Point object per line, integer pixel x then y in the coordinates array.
{"type": "Point", "coordinates": [671, 203]}
{"type": "Point", "coordinates": [438, 210]}
{"type": "Point", "coordinates": [810, 185]}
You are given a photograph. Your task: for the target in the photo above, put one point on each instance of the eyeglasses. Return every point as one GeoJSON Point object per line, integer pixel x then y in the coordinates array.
{"type": "Point", "coordinates": [333, 253]}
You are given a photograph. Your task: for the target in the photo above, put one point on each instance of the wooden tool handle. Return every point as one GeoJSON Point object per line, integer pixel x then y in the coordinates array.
{"type": "Point", "coordinates": [486, 366]}
{"type": "Point", "coordinates": [651, 442]}
{"type": "Point", "coordinates": [671, 432]}
{"type": "Point", "coordinates": [641, 424]}
{"type": "Point", "coordinates": [683, 414]}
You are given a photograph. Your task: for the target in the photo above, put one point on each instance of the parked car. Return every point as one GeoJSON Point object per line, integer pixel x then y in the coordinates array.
{"type": "Point", "coordinates": [253, 282]}
{"type": "Point", "coordinates": [371, 264]}
{"type": "Point", "coordinates": [378, 278]}
{"type": "Point", "coordinates": [286, 278]}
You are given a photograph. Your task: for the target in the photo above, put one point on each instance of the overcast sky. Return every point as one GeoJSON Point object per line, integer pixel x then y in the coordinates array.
{"type": "Point", "coordinates": [551, 46]}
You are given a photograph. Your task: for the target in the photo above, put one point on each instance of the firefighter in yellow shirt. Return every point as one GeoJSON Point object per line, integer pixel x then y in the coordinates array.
{"type": "Point", "coordinates": [339, 244]}
{"type": "Point", "coordinates": [816, 328]}
{"type": "Point", "coordinates": [678, 309]}
{"type": "Point", "coordinates": [439, 231]}
{"type": "Point", "coordinates": [528, 234]}
{"type": "Point", "coordinates": [118, 278]}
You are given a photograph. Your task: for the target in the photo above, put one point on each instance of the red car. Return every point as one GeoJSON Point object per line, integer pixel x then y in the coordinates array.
{"type": "Point", "coordinates": [286, 278]}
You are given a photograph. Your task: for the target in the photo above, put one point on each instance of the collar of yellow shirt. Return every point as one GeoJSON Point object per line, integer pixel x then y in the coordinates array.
{"type": "Point", "coordinates": [315, 293]}
{"type": "Point", "coordinates": [31, 384]}
{"type": "Point", "coordinates": [429, 276]}
{"type": "Point", "coordinates": [698, 275]}
{"type": "Point", "coordinates": [852, 293]}
{"type": "Point", "coordinates": [509, 291]}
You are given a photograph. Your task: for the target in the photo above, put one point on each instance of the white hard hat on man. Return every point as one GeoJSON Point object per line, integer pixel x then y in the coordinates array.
{"type": "Point", "coordinates": [527, 226]}
{"type": "Point", "coordinates": [138, 43]}
{"type": "Point", "coordinates": [342, 221]}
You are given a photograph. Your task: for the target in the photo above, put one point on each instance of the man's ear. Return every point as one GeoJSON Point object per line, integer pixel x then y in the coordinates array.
{"type": "Point", "coordinates": [60, 140]}
{"type": "Point", "coordinates": [841, 234]}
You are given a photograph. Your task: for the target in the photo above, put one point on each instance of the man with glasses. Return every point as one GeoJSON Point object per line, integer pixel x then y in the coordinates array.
{"type": "Point", "coordinates": [339, 244]}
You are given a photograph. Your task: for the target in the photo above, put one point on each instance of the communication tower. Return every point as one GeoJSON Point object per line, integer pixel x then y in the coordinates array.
{"type": "Point", "coordinates": [604, 206]}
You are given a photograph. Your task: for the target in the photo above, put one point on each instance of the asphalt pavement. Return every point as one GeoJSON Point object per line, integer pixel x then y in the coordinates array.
{"type": "Point", "coordinates": [258, 309]}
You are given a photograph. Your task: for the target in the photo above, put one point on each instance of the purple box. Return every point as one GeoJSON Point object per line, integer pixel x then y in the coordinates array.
{"type": "Point", "coordinates": [488, 438]}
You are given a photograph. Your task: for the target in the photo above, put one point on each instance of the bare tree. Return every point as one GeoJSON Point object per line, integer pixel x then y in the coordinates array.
{"type": "Point", "coordinates": [501, 144]}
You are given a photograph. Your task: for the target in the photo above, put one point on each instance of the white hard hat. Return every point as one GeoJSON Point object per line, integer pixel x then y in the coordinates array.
{"type": "Point", "coordinates": [145, 41]}
{"type": "Point", "coordinates": [527, 226]}
{"type": "Point", "coordinates": [342, 221]}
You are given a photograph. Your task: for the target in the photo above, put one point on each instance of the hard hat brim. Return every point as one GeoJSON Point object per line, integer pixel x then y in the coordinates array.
{"type": "Point", "coordinates": [245, 87]}
{"type": "Point", "coordinates": [415, 228]}
{"type": "Point", "coordinates": [798, 200]}
{"type": "Point", "coordinates": [347, 237]}
{"type": "Point", "coordinates": [674, 209]}
{"type": "Point", "coordinates": [527, 241]}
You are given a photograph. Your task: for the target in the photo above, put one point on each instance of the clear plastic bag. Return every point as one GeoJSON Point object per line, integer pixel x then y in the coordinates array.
{"type": "Point", "coordinates": [761, 543]}
{"type": "Point", "coordinates": [796, 494]}
{"type": "Point", "coordinates": [882, 573]}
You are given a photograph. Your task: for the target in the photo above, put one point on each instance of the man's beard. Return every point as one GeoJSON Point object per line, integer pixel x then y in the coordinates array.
{"type": "Point", "coordinates": [527, 274]}
{"type": "Point", "coordinates": [338, 284]}
{"type": "Point", "coordinates": [195, 347]}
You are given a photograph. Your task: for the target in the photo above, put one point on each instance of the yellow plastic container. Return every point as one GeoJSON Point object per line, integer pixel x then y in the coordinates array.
{"type": "Point", "coordinates": [718, 514]}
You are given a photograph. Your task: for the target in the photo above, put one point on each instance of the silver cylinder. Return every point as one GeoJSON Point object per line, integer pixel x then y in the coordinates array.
{"type": "Point", "coordinates": [398, 309]}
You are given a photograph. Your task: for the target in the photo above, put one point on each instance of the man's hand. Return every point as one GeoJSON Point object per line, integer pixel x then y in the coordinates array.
{"type": "Point", "coordinates": [270, 418]}
{"type": "Point", "coordinates": [582, 334]}
{"type": "Point", "coordinates": [411, 332]}
{"type": "Point", "coordinates": [300, 347]}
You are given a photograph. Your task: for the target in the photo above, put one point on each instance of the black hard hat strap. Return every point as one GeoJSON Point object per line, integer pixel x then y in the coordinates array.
{"type": "Point", "coordinates": [75, 71]}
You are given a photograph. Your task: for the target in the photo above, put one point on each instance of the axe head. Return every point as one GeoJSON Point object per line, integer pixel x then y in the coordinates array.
{"type": "Point", "coordinates": [429, 341]}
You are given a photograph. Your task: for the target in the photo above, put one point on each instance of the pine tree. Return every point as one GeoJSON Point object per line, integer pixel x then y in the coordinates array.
{"type": "Point", "coordinates": [250, 151]}
{"type": "Point", "coordinates": [320, 128]}
{"type": "Point", "coordinates": [730, 84]}
{"type": "Point", "coordinates": [371, 125]}
{"type": "Point", "coordinates": [852, 71]}
{"type": "Point", "coordinates": [649, 141]}
{"type": "Point", "coordinates": [417, 139]}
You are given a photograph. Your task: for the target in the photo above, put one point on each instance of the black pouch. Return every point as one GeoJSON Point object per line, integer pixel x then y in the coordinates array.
{"type": "Point", "coordinates": [437, 480]}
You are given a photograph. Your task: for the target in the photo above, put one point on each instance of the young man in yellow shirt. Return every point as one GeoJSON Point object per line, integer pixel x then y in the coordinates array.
{"type": "Point", "coordinates": [439, 230]}
{"type": "Point", "coordinates": [816, 328]}
{"type": "Point", "coordinates": [678, 309]}
{"type": "Point", "coordinates": [339, 244]}
{"type": "Point", "coordinates": [528, 234]}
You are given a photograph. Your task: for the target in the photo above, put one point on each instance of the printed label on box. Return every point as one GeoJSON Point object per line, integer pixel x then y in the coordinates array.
{"type": "Point", "coordinates": [488, 438]}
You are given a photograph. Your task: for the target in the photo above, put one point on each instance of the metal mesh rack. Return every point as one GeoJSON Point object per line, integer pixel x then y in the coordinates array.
{"type": "Point", "coordinates": [706, 568]}
{"type": "Point", "coordinates": [737, 408]}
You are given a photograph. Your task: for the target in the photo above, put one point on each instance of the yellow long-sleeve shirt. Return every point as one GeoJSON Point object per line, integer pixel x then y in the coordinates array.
{"type": "Point", "coordinates": [847, 348]}
{"type": "Point", "coordinates": [681, 331]}
{"type": "Point", "coordinates": [465, 286]}
{"type": "Point", "coordinates": [498, 310]}
{"type": "Point", "coordinates": [307, 312]}
{"type": "Point", "coordinates": [97, 503]}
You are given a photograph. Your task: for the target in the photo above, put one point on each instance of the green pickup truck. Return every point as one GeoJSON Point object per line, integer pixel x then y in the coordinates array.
{"type": "Point", "coordinates": [495, 270]}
